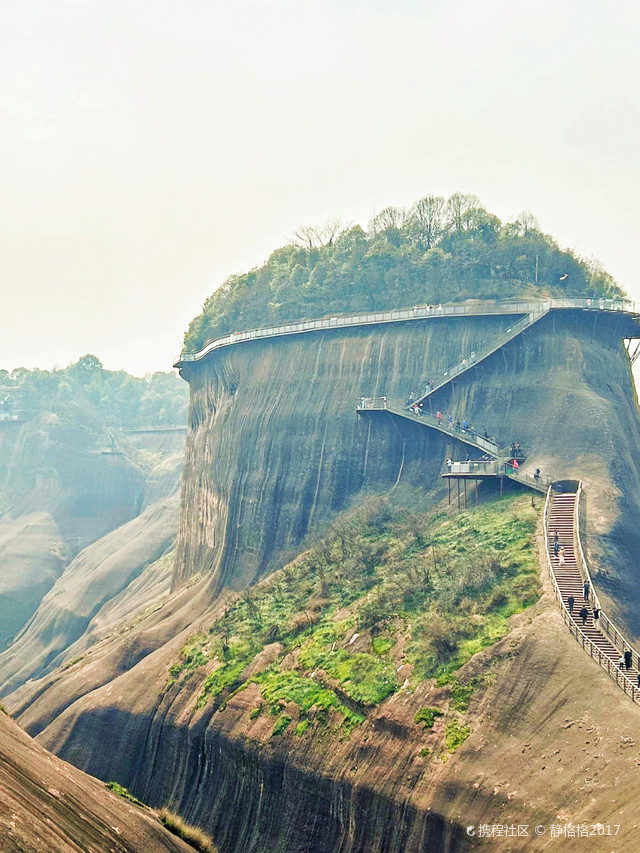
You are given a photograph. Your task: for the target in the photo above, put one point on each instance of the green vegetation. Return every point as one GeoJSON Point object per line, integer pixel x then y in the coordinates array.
{"type": "Point", "coordinates": [455, 734]}
{"type": "Point", "coordinates": [121, 791]}
{"type": "Point", "coordinates": [3, 710]}
{"type": "Point", "coordinates": [191, 834]}
{"type": "Point", "coordinates": [333, 617]}
{"type": "Point", "coordinates": [428, 716]}
{"type": "Point", "coordinates": [85, 393]}
{"type": "Point", "coordinates": [281, 725]}
{"type": "Point", "coordinates": [437, 251]}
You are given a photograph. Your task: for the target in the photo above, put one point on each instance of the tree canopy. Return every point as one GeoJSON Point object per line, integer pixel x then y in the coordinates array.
{"type": "Point", "coordinates": [440, 250]}
{"type": "Point", "coordinates": [84, 392]}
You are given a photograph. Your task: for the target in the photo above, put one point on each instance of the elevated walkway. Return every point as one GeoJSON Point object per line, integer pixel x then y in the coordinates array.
{"type": "Point", "coordinates": [469, 437]}
{"type": "Point", "coordinates": [599, 637]}
{"type": "Point", "coordinates": [474, 358]}
{"type": "Point", "coordinates": [425, 312]}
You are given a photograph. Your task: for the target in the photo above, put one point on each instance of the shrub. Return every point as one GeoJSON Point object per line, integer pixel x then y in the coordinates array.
{"type": "Point", "coordinates": [191, 834]}
{"type": "Point", "coordinates": [455, 734]}
{"type": "Point", "coordinates": [427, 716]}
{"type": "Point", "coordinates": [121, 791]}
{"type": "Point", "coordinates": [281, 724]}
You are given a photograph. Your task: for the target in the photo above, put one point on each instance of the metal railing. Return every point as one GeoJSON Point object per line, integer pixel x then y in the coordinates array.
{"type": "Point", "coordinates": [620, 677]}
{"type": "Point", "coordinates": [494, 344]}
{"type": "Point", "coordinates": [468, 435]}
{"type": "Point", "coordinates": [419, 312]}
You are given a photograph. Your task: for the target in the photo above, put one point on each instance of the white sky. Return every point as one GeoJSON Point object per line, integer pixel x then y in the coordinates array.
{"type": "Point", "coordinates": [150, 148]}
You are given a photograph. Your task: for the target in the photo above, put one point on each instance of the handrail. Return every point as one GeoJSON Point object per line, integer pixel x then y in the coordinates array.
{"type": "Point", "coordinates": [468, 436]}
{"type": "Point", "coordinates": [606, 625]}
{"type": "Point", "coordinates": [494, 344]}
{"type": "Point", "coordinates": [479, 307]}
{"type": "Point", "coordinates": [603, 660]}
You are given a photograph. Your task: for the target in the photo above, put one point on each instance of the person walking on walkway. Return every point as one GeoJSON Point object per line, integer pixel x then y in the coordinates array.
{"type": "Point", "coordinates": [561, 556]}
{"type": "Point", "coordinates": [627, 659]}
{"type": "Point", "coordinates": [556, 547]}
{"type": "Point", "coordinates": [449, 464]}
{"type": "Point", "coordinates": [596, 615]}
{"type": "Point", "coordinates": [439, 417]}
{"type": "Point", "coordinates": [583, 615]}
{"type": "Point", "coordinates": [515, 466]}
{"type": "Point", "coordinates": [585, 587]}
{"type": "Point", "coordinates": [571, 601]}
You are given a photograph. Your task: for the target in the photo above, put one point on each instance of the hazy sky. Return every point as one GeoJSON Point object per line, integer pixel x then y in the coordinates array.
{"type": "Point", "coordinates": [150, 148]}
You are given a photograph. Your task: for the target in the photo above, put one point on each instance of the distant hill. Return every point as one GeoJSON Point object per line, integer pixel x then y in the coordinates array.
{"type": "Point", "coordinates": [439, 250]}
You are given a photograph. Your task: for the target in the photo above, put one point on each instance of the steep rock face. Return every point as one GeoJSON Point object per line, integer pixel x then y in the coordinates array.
{"type": "Point", "coordinates": [31, 555]}
{"type": "Point", "coordinates": [50, 805]}
{"type": "Point", "coordinates": [84, 593]}
{"type": "Point", "coordinates": [276, 448]}
{"type": "Point", "coordinates": [103, 587]}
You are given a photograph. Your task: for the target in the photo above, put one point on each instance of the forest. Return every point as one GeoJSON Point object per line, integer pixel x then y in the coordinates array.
{"type": "Point", "coordinates": [86, 393]}
{"type": "Point", "coordinates": [439, 250]}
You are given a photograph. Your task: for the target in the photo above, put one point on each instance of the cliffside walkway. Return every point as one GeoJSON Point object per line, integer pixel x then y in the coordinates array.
{"type": "Point", "coordinates": [496, 343]}
{"type": "Point", "coordinates": [422, 312]}
{"type": "Point", "coordinates": [600, 638]}
{"type": "Point", "coordinates": [468, 437]}
{"type": "Point", "coordinates": [481, 469]}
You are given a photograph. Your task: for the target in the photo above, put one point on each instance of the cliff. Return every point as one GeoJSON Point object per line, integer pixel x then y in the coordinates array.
{"type": "Point", "coordinates": [275, 452]}
{"type": "Point", "coordinates": [56, 597]}
{"type": "Point", "coordinates": [50, 805]}
{"type": "Point", "coordinates": [276, 449]}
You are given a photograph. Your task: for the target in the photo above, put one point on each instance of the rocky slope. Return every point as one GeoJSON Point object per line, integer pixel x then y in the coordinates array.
{"type": "Point", "coordinates": [67, 601]}
{"type": "Point", "coordinates": [49, 805]}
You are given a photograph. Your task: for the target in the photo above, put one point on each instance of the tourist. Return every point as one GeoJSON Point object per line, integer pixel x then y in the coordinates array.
{"type": "Point", "coordinates": [571, 601]}
{"type": "Point", "coordinates": [583, 615]}
{"type": "Point", "coordinates": [596, 615]}
{"type": "Point", "coordinates": [561, 556]}
{"type": "Point", "coordinates": [585, 587]}
{"type": "Point", "coordinates": [627, 659]}
{"type": "Point", "coordinates": [449, 464]}
{"type": "Point", "coordinates": [556, 548]}
{"type": "Point", "coordinates": [439, 417]}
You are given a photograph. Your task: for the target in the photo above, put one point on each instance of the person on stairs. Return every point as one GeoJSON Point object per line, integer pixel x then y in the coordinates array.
{"type": "Point", "coordinates": [571, 601]}
{"type": "Point", "coordinates": [583, 615]}
{"type": "Point", "coordinates": [627, 658]}
{"type": "Point", "coordinates": [585, 587]}
{"type": "Point", "coordinates": [561, 556]}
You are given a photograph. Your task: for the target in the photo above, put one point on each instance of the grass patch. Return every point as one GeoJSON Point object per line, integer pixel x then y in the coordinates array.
{"type": "Point", "coordinates": [427, 716]}
{"type": "Point", "coordinates": [460, 694]}
{"type": "Point", "coordinates": [281, 688]}
{"type": "Point", "coordinates": [254, 713]}
{"type": "Point", "coordinates": [121, 791]}
{"type": "Point", "coordinates": [452, 582]}
{"type": "Point", "coordinates": [191, 834]}
{"type": "Point", "coordinates": [281, 725]}
{"type": "Point", "coordinates": [455, 734]}
{"type": "Point", "coordinates": [381, 645]}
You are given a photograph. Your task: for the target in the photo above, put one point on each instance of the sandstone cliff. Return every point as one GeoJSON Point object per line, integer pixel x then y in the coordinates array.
{"type": "Point", "coordinates": [276, 449]}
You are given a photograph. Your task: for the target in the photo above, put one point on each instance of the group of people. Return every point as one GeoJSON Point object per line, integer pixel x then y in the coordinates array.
{"type": "Point", "coordinates": [625, 661]}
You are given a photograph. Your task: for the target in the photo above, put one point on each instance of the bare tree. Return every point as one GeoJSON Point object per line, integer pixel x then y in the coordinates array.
{"type": "Point", "coordinates": [458, 210]}
{"type": "Point", "coordinates": [306, 237]}
{"type": "Point", "coordinates": [388, 219]}
{"type": "Point", "coordinates": [427, 218]}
